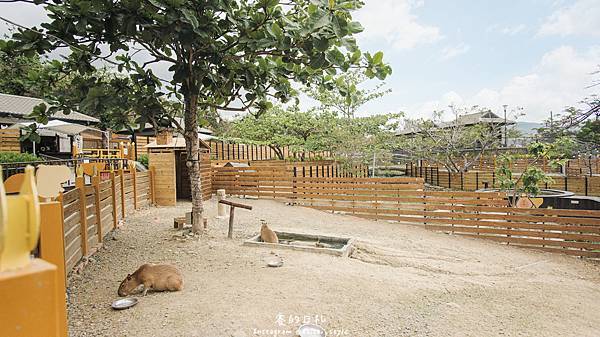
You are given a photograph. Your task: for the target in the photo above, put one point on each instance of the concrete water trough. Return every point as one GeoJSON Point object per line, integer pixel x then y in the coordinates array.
{"type": "Point", "coordinates": [323, 244]}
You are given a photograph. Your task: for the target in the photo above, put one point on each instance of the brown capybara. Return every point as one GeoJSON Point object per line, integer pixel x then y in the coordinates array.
{"type": "Point", "coordinates": [158, 277]}
{"type": "Point", "coordinates": [267, 235]}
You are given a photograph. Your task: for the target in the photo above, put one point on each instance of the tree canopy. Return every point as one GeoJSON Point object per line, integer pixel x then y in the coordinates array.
{"type": "Point", "coordinates": [231, 55]}
{"type": "Point", "coordinates": [345, 94]}
{"type": "Point", "coordinates": [451, 144]}
{"type": "Point", "coordinates": [350, 140]}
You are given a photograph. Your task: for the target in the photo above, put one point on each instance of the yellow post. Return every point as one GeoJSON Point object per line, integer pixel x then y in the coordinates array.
{"type": "Point", "coordinates": [131, 152]}
{"type": "Point", "coordinates": [121, 151]}
{"type": "Point", "coordinates": [113, 191]}
{"type": "Point", "coordinates": [52, 250]}
{"type": "Point", "coordinates": [133, 173]}
{"type": "Point", "coordinates": [75, 151]}
{"type": "Point", "coordinates": [122, 177]}
{"type": "Point", "coordinates": [96, 185]}
{"type": "Point", "coordinates": [80, 184]}
{"type": "Point", "coordinates": [22, 224]}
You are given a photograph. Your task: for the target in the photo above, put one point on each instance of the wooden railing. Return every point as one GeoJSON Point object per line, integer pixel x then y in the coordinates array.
{"type": "Point", "coordinates": [92, 211]}
{"type": "Point", "coordinates": [235, 151]}
{"type": "Point", "coordinates": [475, 180]}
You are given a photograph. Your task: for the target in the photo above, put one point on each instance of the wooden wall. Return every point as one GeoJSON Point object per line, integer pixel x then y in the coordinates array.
{"type": "Point", "coordinates": [162, 163]}
{"type": "Point", "coordinates": [141, 142]}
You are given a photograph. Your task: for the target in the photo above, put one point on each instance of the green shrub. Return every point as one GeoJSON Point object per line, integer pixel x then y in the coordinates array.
{"type": "Point", "coordinates": [143, 159]}
{"type": "Point", "coordinates": [13, 157]}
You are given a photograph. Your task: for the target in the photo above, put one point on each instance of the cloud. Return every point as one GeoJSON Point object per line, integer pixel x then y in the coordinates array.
{"type": "Point", "coordinates": [558, 80]}
{"type": "Point", "coordinates": [580, 18]}
{"type": "Point", "coordinates": [22, 13]}
{"type": "Point", "coordinates": [506, 30]}
{"type": "Point", "coordinates": [393, 22]}
{"type": "Point", "coordinates": [454, 51]}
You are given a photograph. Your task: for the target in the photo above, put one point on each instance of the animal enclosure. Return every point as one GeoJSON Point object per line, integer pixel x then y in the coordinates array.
{"type": "Point", "coordinates": [404, 200]}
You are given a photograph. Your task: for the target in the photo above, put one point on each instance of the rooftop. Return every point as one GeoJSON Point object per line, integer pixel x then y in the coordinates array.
{"type": "Point", "coordinates": [21, 106]}
{"type": "Point", "coordinates": [484, 117]}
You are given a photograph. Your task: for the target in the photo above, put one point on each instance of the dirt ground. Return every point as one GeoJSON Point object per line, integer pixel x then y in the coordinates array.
{"type": "Point", "coordinates": [401, 281]}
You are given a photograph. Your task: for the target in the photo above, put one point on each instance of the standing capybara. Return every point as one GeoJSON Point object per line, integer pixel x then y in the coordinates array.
{"type": "Point", "coordinates": [158, 277]}
{"type": "Point", "coordinates": [267, 235]}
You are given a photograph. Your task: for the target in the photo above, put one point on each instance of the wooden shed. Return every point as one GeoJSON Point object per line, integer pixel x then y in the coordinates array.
{"type": "Point", "coordinates": [171, 176]}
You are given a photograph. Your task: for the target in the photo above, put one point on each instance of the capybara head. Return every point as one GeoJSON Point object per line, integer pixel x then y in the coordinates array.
{"type": "Point", "coordinates": [127, 286]}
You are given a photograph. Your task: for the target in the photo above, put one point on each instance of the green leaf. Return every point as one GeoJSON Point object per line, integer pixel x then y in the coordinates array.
{"type": "Point", "coordinates": [378, 58]}
{"type": "Point", "coordinates": [190, 17]}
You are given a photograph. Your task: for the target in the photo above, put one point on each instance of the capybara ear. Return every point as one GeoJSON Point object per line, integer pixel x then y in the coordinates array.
{"type": "Point", "coordinates": [129, 276]}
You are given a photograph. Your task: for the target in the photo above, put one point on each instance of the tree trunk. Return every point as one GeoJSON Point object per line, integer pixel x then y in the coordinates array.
{"type": "Point", "coordinates": [278, 152]}
{"type": "Point", "coordinates": [192, 145]}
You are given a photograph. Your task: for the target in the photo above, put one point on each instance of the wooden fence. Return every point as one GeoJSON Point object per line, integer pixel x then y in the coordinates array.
{"type": "Point", "coordinates": [91, 211]}
{"type": "Point", "coordinates": [312, 169]}
{"type": "Point", "coordinates": [484, 215]}
{"type": "Point", "coordinates": [234, 151]}
{"type": "Point", "coordinates": [475, 180]}
{"type": "Point", "coordinates": [573, 167]}
{"type": "Point", "coordinates": [9, 140]}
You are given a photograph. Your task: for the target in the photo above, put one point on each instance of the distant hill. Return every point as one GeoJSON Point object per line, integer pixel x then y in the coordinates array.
{"type": "Point", "coordinates": [528, 128]}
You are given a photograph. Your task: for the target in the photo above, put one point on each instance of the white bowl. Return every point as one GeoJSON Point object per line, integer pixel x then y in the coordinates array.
{"type": "Point", "coordinates": [124, 303]}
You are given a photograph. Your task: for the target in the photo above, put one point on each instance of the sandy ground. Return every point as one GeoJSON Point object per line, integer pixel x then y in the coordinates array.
{"type": "Point", "coordinates": [401, 281]}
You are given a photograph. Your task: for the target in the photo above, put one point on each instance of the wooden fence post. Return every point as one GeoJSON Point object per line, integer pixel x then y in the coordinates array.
{"type": "Point", "coordinates": [113, 190]}
{"type": "Point", "coordinates": [96, 186]}
{"type": "Point", "coordinates": [151, 175]}
{"type": "Point", "coordinates": [134, 183]}
{"type": "Point", "coordinates": [80, 184]}
{"type": "Point", "coordinates": [122, 177]}
{"type": "Point", "coordinates": [52, 249]}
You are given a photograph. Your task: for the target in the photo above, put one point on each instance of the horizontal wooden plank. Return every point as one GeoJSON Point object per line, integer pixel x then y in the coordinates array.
{"type": "Point", "coordinates": [70, 196]}
{"type": "Point", "coordinates": [71, 208]}
{"type": "Point", "coordinates": [515, 232]}
{"type": "Point", "coordinates": [538, 242]}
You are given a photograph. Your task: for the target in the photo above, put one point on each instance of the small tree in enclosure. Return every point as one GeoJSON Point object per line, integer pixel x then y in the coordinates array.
{"type": "Point", "coordinates": [454, 144]}
{"type": "Point", "coordinates": [527, 184]}
{"type": "Point", "coordinates": [343, 95]}
{"type": "Point", "coordinates": [228, 55]}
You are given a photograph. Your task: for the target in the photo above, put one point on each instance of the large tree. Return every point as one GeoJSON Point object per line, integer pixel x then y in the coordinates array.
{"type": "Point", "coordinates": [231, 55]}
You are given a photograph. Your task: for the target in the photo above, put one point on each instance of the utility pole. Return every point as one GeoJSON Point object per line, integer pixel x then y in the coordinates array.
{"type": "Point", "coordinates": [505, 132]}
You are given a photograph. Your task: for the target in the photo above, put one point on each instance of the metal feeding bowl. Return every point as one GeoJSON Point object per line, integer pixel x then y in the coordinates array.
{"type": "Point", "coordinates": [124, 303]}
{"type": "Point", "coordinates": [310, 330]}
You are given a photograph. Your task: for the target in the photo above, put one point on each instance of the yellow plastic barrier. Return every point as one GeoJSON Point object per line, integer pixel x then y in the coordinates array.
{"type": "Point", "coordinates": [32, 297]}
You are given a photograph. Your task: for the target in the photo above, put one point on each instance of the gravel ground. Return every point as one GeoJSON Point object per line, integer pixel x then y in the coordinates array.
{"type": "Point", "coordinates": [401, 281]}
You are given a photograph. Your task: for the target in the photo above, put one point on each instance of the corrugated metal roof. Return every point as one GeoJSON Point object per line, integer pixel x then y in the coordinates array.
{"type": "Point", "coordinates": [23, 106]}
